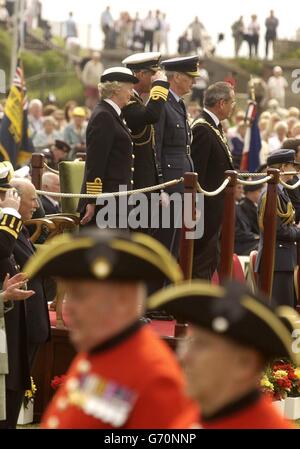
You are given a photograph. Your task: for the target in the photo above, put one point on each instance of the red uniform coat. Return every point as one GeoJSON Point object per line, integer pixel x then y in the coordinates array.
{"type": "Point", "coordinates": [259, 415]}
{"type": "Point", "coordinates": [131, 382]}
{"type": "Point", "coordinates": [254, 412]}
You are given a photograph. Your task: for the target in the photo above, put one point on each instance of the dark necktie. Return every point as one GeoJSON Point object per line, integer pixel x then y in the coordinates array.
{"type": "Point", "coordinates": [220, 128]}
{"type": "Point", "coordinates": [181, 102]}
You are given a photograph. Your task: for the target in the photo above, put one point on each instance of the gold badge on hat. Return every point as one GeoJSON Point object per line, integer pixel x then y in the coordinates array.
{"type": "Point", "coordinates": [101, 267]}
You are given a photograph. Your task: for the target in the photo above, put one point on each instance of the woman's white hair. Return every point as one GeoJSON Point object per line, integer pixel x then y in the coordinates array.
{"type": "Point", "coordinates": [109, 88]}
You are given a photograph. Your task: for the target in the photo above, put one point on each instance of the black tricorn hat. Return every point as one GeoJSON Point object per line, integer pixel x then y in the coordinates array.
{"type": "Point", "coordinates": [105, 255]}
{"type": "Point", "coordinates": [187, 64]}
{"type": "Point", "coordinates": [232, 311]}
{"type": "Point", "coordinates": [121, 74]}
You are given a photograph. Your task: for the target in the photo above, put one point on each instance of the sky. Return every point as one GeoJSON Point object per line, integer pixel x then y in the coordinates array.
{"type": "Point", "coordinates": [217, 17]}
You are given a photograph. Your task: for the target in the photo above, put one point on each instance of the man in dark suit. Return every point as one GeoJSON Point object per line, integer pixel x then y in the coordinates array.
{"type": "Point", "coordinates": [287, 233]}
{"type": "Point", "coordinates": [37, 316]}
{"type": "Point", "coordinates": [246, 222]}
{"type": "Point", "coordinates": [141, 117]}
{"type": "Point", "coordinates": [50, 183]}
{"type": "Point", "coordinates": [173, 137]}
{"type": "Point", "coordinates": [294, 144]}
{"type": "Point", "coordinates": [212, 157]}
{"type": "Point", "coordinates": [109, 158]}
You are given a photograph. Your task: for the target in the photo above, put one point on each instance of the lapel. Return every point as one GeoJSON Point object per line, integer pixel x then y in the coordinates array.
{"type": "Point", "coordinates": [225, 147]}
{"type": "Point", "coordinates": [25, 242]}
{"type": "Point", "coordinates": [116, 115]}
{"type": "Point", "coordinates": [137, 98]}
{"type": "Point", "coordinates": [175, 105]}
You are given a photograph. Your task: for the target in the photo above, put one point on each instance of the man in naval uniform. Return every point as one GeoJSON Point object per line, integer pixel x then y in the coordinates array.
{"type": "Point", "coordinates": [212, 157]}
{"type": "Point", "coordinates": [141, 117]}
{"type": "Point", "coordinates": [234, 335]}
{"type": "Point", "coordinates": [173, 137]}
{"type": "Point", "coordinates": [124, 376]}
{"type": "Point", "coordinates": [287, 232]}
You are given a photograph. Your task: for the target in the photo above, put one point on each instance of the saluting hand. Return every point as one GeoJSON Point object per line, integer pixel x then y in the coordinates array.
{"type": "Point", "coordinates": [11, 199]}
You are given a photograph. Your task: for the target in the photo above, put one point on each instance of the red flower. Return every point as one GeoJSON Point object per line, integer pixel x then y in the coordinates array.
{"type": "Point", "coordinates": [57, 381]}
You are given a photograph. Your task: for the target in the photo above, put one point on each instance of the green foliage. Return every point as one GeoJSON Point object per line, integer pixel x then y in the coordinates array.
{"type": "Point", "coordinates": [54, 61]}
{"type": "Point", "coordinates": [33, 63]}
{"type": "Point", "coordinates": [64, 87]}
{"type": "Point", "coordinates": [294, 54]}
{"type": "Point", "coordinates": [252, 66]}
{"type": "Point", "coordinates": [58, 41]}
{"type": "Point", "coordinates": [5, 49]}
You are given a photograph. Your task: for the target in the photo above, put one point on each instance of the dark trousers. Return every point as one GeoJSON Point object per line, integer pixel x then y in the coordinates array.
{"type": "Point", "coordinates": [253, 45]}
{"type": "Point", "coordinates": [283, 292]}
{"type": "Point", "coordinates": [13, 404]}
{"type": "Point", "coordinates": [206, 258]}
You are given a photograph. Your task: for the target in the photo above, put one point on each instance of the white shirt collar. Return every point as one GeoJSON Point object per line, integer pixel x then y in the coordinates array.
{"type": "Point", "coordinates": [213, 116]}
{"type": "Point", "coordinates": [177, 98]}
{"type": "Point", "coordinates": [113, 105]}
{"type": "Point", "coordinates": [52, 200]}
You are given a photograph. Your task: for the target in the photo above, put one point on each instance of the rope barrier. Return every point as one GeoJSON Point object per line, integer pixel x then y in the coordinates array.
{"type": "Point", "coordinates": [255, 183]}
{"type": "Point", "coordinates": [215, 192]}
{"type": "Point", "coordinates": [288, 186]}
{"type": "Point", "coordinates": [256, 175]}
{"type": "Point", "coordinates": [113, 194]}
{"type": "Point", "coordinates": [51, 169]}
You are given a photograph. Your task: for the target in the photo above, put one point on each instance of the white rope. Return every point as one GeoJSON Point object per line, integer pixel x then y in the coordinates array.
{"type": "Point", "coordinates": [288, 186]}
{"type": "Point", "coordinates": [215, 192]}
{"type": "Point", "coordinates": [112, 194]}
{"type": "Point", "coordinates": [251, 175]}
{"type": "Point", "coordinates": [255, 175]}
{"type": "Point", "coordinates": [51, 169]}
{"type": "Point", "coordinates": [255, 183]}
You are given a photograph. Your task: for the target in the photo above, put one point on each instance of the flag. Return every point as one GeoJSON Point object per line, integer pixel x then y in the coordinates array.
{"type": "Point", "coordinates": [252, 143]}
{"type": "Point", "coordinates": [15, 143]}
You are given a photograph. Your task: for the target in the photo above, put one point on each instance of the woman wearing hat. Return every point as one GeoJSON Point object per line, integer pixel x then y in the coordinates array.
{"type": "Point", "coordinates": [109, 160]}
{"type": "Point", "coordinates": [75, 132]}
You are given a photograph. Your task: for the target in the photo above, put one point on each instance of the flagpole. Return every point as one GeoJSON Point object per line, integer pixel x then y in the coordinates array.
{"type": "Point", "coordinates": [15, 42]}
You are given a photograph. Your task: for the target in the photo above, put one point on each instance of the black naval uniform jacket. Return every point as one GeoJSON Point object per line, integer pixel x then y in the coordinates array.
{"type": "Point", "coordinates": [246, 227]}
{"type": "Point", "coordinates": [173, 142]}
{"type": "Point", "coordinates": [211, 157]}
{"type": "Point", "coordinates": [37, 315]}
{"type": "Point", "coordinates": [109, 158]}
{"type": "Point", "coordinates": [287, 234]}
{"type": "Point", "coordinates": [295, 198]}
{"type": "Point", "coordinates": [17, 378]}
{"type": "Point", "coordinates": [140, 119]}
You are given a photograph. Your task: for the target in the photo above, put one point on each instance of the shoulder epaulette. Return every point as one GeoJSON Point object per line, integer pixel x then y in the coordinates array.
{"type": "Point", "coordinates": [159, 91]}
{"type": "Point", "coordinates": [11, 224]}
